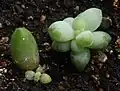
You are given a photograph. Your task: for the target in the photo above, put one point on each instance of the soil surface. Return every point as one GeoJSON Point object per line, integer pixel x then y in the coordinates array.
{"type": "Point", "coordinates": [103, 71]}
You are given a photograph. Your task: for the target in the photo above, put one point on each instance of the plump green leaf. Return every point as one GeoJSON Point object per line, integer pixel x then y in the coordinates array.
{"type": "Point", "coordinates": [77, 32]}
{"type": "Point", "coordinates": [92, 18]}
{"type": "Point", "coordinates": [61, 46]}
{"type": "Point", "coordinates": [69, 20]}
{"type": "Point", "coordinates": [100, 40]}
{"type": "Point", "coordinates": [29, 75]}
{"type": "Point", "coordinates": [61, 31]}
{"type": "Point", "coordinates": [78, 24]}
{"type": "Point", "coordinates": [75, 49]}
{"type": "Point", "coordinates": [24, 49]}
{"type": "Point", "coordinates": [84, 39]}
{"type": "Point", "coordinates": [45, 78]}
{"type": "Point", "coordinates": [37, 76]}
{"type": "Point", "coordinates": [81, 59]}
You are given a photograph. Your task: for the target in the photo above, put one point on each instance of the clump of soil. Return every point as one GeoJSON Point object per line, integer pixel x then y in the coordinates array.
{"type": "Point", "coordinates": [102, 73]}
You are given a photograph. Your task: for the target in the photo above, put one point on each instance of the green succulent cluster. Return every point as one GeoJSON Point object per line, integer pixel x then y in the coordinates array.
{"type": "Point", "coordinates": [38, 76]}
{"type": "Point", "coordinates": [78, 36]}
{"type": "Point", "coordinates": [25, 55]}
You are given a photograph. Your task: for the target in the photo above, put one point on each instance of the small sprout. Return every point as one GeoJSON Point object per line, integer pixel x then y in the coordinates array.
{"type": "Point", "coordinates": [69, 20]}
{"type": "Point", "coordinates": [100, 40]}
{"type": "Point", "coordinates": [60, 30]}
{"type": "Point", "coordinates": [92, 18]}
{"type": "Point", "coordinates": [29, 75]}
{"type": "Point", "coordinates": [78, 24]}
{"type": "Point", "coordinates": [77, 32]}
{"type": "Point", "coordinates": [45, 78]}
{"type": "Point", "coordinates": [84, 39]}
{"type": "Point", "coordinates": [40, 69]}
{"type": "Point", "coordinates": [37, 76]}
{"type": "Point", "coordinates": [80, 60]}
{"type": "Point", "coordinates": [61, 46]}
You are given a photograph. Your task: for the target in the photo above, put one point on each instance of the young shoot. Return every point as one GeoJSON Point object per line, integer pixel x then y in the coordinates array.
{"type": "Point", "coordinates": [45, 78]}
{"type": "Point", "coordinates": [84, 39]}
{"type": "Point", "coordinates": [78, 24]}
{"type": "Point", "coordinates": [29, 75]}
{"type": "Point", "coordinates": [37, 76]}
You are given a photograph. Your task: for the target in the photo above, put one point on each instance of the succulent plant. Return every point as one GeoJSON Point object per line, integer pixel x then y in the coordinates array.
{"type": "Point", "coordinates": [37, 76]}
{"type": "Point", "coordinates": [24, 49]}
{"type": "Point", "coordinates": [29, 75]}
{"type": "Point", "coordinates": [45, 78]}
{"type": "Point", "coordinates": [80, 34]}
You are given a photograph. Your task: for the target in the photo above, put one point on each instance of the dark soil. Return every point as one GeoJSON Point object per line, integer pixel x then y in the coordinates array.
{"type": "Point", "coordinates": [37, 15]}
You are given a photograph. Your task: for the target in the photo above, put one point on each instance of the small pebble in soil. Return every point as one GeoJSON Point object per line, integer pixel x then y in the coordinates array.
{"type": "Point", "coordinates": [117, 43]}
{"type": "Point", "coordinates": [111, 51]}
{"type": "Point", "coordinates": [1, 70]}
{"type": "Point", "coordinates": [4, 70]}
{"type": "Point", "coordinates": [2, 55]}
{"type": "Point", "coordinates": [1, 25]}
{"type": "Point", "coordinates": [30, 17]}
{"type": "Point", "coordinates": [42, 18]}
{"type": "Point", "coordinates": [7, 22]}
{"type": "Point", "coordinates": [26, 24]}
{"type": "Point", "coordinates": [107, 75]}
{"type": "Point", "coordinates": [46, 44]}
{"type": "Point", "coordinates": [61, 88]}
{"type": "Point", "coordinates": [77, 8]}
{"type": "Point", "coordinates": [0, 74]}
{"type": "Point", "coordinates": [4, 39]}
{"type": "Point", "coordinates": [23, 6]}
{"type": "Point", "coordinates": [102, 57]}
{"type": "Point", "coordinates": [94, 77]}
{"type": "Point", "coordinates": [12, 79]}
{"type": "Point", "coordinates": [118, 56]}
